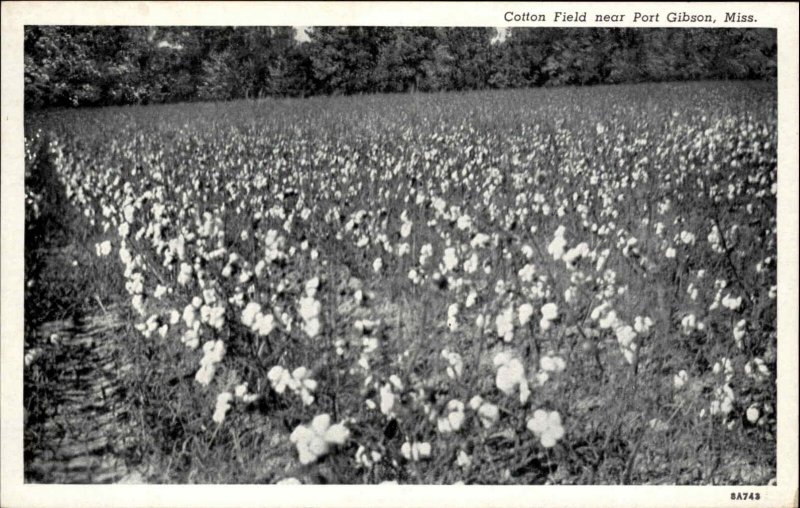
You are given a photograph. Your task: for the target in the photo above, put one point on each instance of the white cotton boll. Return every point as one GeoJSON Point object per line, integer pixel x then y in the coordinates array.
{"type": "Point", "coordinates": [306, 397]}
{"type": "Point", "coordinates": [309, 308]}
{"type": "Point", "coordinates": [552, 363]}
{"type": "Point", "coordinates": [152, 323]}
{"type": "Point", "coordinates": [260, 267]}
{"type": "Point", "coordinates": [463, 460]}
{"type": "Point", "coordinates": [598, 311]}
{"type": "Point", "coordinates": [479, 240]}
{"type": "Point", "coordinates": [370, 344]}
{"type": "Point", "coordinates": [454, 419]}
{"type": "Point", "coordinates": [312, 327]}
{"type": "Point", "coordinates": [610, 320]}
{"type": "Point", "coordinates": [209, 296]}
{"type": "Point", "coordinates": [377, 265]}
{"type": "Point", "coordinates": [642, 324]}
{"type": "Point", "coordinates": [185, 274]}
{"type": "Point", "coordinates": [504, 323]}
{"type": "Point", "coordinates": [550, 311]}
{"type": "Point", "coordinates": [475, 402]}
{"type": "Point", "coordinates": [524, 313]}
{"type": "Point", "coordinates": [405, 450]}
{"type": "Point", "coordinates": [386, 399]}
{"type": "Point", "coordinates": [488, 414]}
{"type": "Point", "coordinates": [189, 315]}
{"type": "Point", "coordinates": [556, 247]}
{"type": "Point", "coordinates": [125, 256]}
{"type": "Point", "coordinates": [464, 222]}
{"type": "Point", "coordinates": [687, 237]}
{"type": "Point", "coordinates": [680, 379]}
{"type": "Point", "coordinates": [123, 230]}
{"type": "Point", "coordinates": [547, 426]}
{"type": "Point", "coordinates": [279, 378]}
{"type": "Point", "coordinates": [403, 249]}
{"type": "Point", "coordinates": [443, 426]}
{"type": "Point", "coordinates": [629, 352]}
{"type": "Point", "coordinates": [214, 316]}
{"type": "Point", "coordinates": [542, 377]}
{"type": "Point", "coordinates": [509, 375]}
{"type": "Point", "coordinates": [205, 374]}
{"type": "Point", "coordinates": [32, 355]}
{"type": "Point", "coordinates": [191, 339]}
{"type": "Point", "coordinates": [223, 405]}
{"type": "Point", "coordinates": [524, 391]}
{"type": "Point", "coordinates": [263, 324]}
{"type": "Point", "coordinates": [689, 323]}
{"type": "Point", "coordinates": [724, 366]}
{"type": "Point", "coordinates": [625, 335]}
{"type": "Point", "coordinates": [526, 273]}
{"type": "Point", "coordinates": [471, 264]}
{"type": "Point", "coordinates": [452, 310]}
{"type": "Point", "coordinates": [452, 323]}
{"type": "Point", "coordinates": [731, 303]}
{"type": "Point", "coordinates": [227, 271]}
{"type": "Point", "coordinates": [421, 450]}
{"type": "Point", "coordinates": [337, 434]}
{"type": "Point", "coordinates": [104, 248]}
{"type": "Point", "coordinates": [452, 313]}
{"type": "Point", "coordinates": [240, 391]}
{"type": "Point", "coordinates": [159, 291]}
{"type": "Point", "coordinates": [128, 212]}
{"type": "Point", "coordinates": [450, 259]}
{"type": "Point", "coordinates": [137, 302]}
{"type": "Point", "coordinates": [753, 413]}
{"type": "Point", "coordinates": [501, 358]}
{"type": "Point", "coordinates": [455, 364]}
{"type": "Point", "coordinates": [472, 297]}
{"type": "Point", "coordinates": [723, 400]}
{"type": "Point", "coordinates": [249, 313]}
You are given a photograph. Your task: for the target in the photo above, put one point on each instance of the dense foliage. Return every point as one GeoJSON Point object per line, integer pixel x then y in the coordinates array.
{"type": "Point", "coordinates": [104, 65]}
{"type": "Point", "coordinates": [572, 285]}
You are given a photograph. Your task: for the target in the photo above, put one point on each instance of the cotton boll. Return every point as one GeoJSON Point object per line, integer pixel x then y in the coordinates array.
{"type": "Point", "coordinates": [524, 313]}
{"type": "Point", "coordinates": [753, 414]}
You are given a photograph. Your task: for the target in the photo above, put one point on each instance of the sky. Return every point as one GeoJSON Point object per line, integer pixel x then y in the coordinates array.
{"type": "Point", "coordinates": [301, 36]}
{"type": "Point", "coordinates": [300, 33]}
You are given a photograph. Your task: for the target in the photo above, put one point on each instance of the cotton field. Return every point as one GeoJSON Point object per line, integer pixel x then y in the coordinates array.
{"type": "Point", "coordinates": [552, 286]}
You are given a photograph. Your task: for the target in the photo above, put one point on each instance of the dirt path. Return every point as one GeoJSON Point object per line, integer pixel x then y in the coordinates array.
{"type": "Point", "coordinates": [88, 434]}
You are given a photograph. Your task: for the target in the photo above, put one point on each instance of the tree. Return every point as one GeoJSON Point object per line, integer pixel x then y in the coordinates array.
{"type": "Point", "coordinates": [78, 66]}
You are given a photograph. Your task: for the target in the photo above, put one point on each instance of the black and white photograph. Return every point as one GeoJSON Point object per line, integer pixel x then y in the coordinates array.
{"type": "Point", "coordinates": [430, 254]}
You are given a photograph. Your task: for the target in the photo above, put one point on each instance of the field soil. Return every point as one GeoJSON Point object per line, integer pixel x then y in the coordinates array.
{"type": "Point", "coordinates": [89, 433]}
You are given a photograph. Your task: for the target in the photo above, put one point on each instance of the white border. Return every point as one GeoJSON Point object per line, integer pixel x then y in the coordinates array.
{"type": "Point", "coordinates": [15, 15]}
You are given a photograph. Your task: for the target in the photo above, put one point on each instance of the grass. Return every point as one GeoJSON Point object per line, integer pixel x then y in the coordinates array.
{"type": "Point", "coordinates": [268, 195]}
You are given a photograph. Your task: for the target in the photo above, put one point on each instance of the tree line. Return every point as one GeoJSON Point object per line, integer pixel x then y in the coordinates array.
{"type": "Point", "coordinates": [111, 65]}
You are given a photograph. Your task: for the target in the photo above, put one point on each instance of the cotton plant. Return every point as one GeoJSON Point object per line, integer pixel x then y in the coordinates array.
{"type": "Point", "coordinates": [547, 426]}
{"type": "Point", "coordinates": [298, 381]}
{"type": "Point", "coordinates": [510, 376]}
{"type": "Point", "coordinates": [318, 438]}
